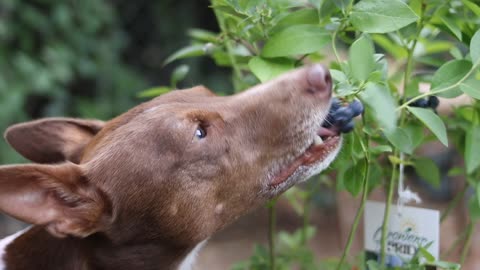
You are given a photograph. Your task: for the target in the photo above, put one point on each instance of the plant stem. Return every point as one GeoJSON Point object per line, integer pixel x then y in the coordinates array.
{"type": "Point", "coordinates": [358, 216]}
{"type": "Point", "coordinates": [468, 242]}
{"type": "Point", "coordinates": [300, 60]}
{"type": "Point", "coordinates": [411, 50]}
{"type": "Point", "coordinates": [453, 204]}
{"type": "Point", "coordinates": [307, 206]}
{"type": "Point", "coordinates": [237, 73]}
{"type": "Point", "coordinates": [334, 46]}
{"type": "Point", "coordinates": [386, 215]}
{"type": "Point", "coordinates": [272, 219]}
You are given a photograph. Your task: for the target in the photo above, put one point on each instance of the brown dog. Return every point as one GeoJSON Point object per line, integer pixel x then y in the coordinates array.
{"type": "Point", "coordinates": [146, 189]}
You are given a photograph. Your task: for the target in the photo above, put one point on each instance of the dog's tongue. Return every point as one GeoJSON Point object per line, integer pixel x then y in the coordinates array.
{"type": "Point", "coordinates": [328, 132]}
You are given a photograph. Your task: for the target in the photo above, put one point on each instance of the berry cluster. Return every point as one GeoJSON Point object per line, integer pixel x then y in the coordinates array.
{"type": "Point", "coordinates": [430, 102]}
{"type": "Point", "coordinates": [341, 116]}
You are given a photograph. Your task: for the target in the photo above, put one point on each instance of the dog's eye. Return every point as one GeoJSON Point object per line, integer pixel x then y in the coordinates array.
{"type": "Point", "coordinates": [200, 133]}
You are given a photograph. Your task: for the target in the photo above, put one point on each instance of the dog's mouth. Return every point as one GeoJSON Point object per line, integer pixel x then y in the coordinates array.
{"type": "Point", "coordinates": [325, 143]}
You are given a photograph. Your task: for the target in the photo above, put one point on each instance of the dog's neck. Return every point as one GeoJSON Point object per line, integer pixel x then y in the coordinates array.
{"type": "Point", "coordinates": [92, 253]}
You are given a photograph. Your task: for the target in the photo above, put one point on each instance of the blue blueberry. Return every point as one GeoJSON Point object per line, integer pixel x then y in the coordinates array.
{"type": "Point", "coordinates": [433, 102]}
{"type": "Point", "coordinates": [347, 127]}
{"type": "Point", "coordinates": [343, 115]}
{"type": "Point", "coordinates": [395, 261]}
{"type": "Point", "coordinates": [336, 104]}
{"type": "Point", "coordinates": [357, 107]}
{"type": "Point", "coordinates": [329, 121]}
{"type": "Point", "coordinates": [422, 103]}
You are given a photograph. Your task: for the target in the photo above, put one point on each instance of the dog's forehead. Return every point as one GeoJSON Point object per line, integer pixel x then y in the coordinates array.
{"type": "Point", "coordinates": [160, 115]}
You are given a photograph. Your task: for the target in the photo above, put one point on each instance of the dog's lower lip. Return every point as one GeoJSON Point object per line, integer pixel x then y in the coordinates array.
{"type": "Point", "coordinates": [313, 154]}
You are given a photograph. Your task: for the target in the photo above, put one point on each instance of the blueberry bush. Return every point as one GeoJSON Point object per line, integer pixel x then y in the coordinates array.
{"type": "Point", "coordinates": [392, 47]}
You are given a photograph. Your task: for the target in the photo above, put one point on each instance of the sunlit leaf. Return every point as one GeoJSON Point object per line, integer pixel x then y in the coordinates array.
{"type": "Point", "coordinates": [448, 75]}
{"type": "Point", "coordinates": [432, 122]}
{"type": "Point", "coordinates": [155, 91]}
{"type": "Point", "coordinates": [379, 99]}
{"type": "Point", "coordinates": [266, 69]}
{"type": "Point", "coordinates": [381, 16]}
{"type": "Point", "coordinates": [475, 47]}
{"type": "Point", "coordinates": [190, 51]}
{"type": "Point", "coordinates": [360, 58]}
{"type": "Point", "coordinates": [295, 40]}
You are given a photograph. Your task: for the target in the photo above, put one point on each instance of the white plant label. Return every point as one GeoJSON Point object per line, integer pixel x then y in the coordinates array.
{"type": "Point", "coordinates": [408, 230]}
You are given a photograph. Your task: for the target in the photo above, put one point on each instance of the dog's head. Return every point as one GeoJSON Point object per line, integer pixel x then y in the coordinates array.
{"type": "Point", "coordinates": [174, 169]}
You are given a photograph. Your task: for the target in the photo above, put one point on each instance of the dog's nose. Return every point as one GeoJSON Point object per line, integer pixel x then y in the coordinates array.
{"type": "Point", "coordinates": [319, 81]}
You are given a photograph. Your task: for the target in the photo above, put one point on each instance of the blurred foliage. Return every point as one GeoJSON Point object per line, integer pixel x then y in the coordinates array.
{"type": "Point", "coordinates": [91, 58]}
{"type": "Point", "coordinates": [61, 58]}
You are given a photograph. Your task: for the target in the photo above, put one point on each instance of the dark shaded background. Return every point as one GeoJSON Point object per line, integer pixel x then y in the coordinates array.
{"type": "Point", "coordinates": [90, 58]}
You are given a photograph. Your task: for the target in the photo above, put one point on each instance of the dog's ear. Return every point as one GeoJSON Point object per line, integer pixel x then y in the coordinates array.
{"type": "Point", "coordinates": [52, 140]}
{"type": "Point", "coordinates": [58, 197]}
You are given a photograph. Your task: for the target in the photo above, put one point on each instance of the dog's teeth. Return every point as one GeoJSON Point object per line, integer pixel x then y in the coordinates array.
{"type": "Point", "coordinates": [317, 140]}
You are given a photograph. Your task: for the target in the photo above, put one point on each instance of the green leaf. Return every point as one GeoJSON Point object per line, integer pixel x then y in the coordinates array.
{"type": "Point", "coordinates": [376, 76]}
{"type": "Point", "coordinates": [178, 75]}
{"type": "Point", "coordinates": [379, 99]}
{"type": "Point", "coordinates": [190, 51]}
{"type": "Point", "coordinates": [223, 59]}
{"type": "Point", "coordinates": [456, 53]}
{"type": "Point", "coordinates": [432, 121]}
{"type": "Point", "coordinates": [297, 39]}
{"type": "Point", "coordinates": [344, 88]}
{"type": "Point", "coordinates": [316, 3]}
{"type": "Point", "coordinates": [338, 76]}
{"type": "Point", "coordinates": [425, 254]}
{"type": "Point", "coordinates": [373, 265]}
{"type": "Point", "coordinates": [466, 112]}
{"type": "Point", "coordinates": [302, 16]}
{"type": "Point", "coordinates": [400, 139]}
{"type": "Point", "coordinates": [342, 4]}
{"type": "Point", "coordinates": [266, 69]}
{"type": "Point", "coordinates": [475, 47]}
{"type": "Point", "coordinates": [455, 171]}
{"type": "Point", "coordinates": [361, 58]}
{"type": "Point", "coordinates": [230, 11]}
{"type": "Point", "coordinates": [428, 170]}
{"type": "Point", "coordinates": [471, 88]}
{"type": "Point", "coordinates": [438, 47]}
{"type": "Point", "coordinates": [448, 75]}
{"type": "Point", "coordinates": [415, 133]}
{"type": "Point", "coordinates": [353, 178]}
{"type": "Point", "coordinates": [474, 208]}
{"type": "Point", "coordinates": [287, 239]}
{"type": "Point", "coordinates": [472, 149]}
{"type": "Point", "coordinates": [154, 91]}
{"type": "Point", "coordinates": [446, 265]}
{"type": "Point", "coordinates": [452, 26]}
{"type": "Point", "coordinates": [381, 16]}
{"type": "Point", "coordinates": [477, 192]}
{"type": "Point", "coordinates": [202, 35]}
{"type": "Point", "coordinates": [473, 7]}
{"type": "Point", "coordinates": [397, 51]}
{"type": "Point", "coordinates": [249, 5]}
{"type": "Point", "coordinates": [380, 149]}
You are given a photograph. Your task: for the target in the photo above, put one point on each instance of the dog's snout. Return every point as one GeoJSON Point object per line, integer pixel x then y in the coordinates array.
{"type": "Point", "coordinates": [319, 81]}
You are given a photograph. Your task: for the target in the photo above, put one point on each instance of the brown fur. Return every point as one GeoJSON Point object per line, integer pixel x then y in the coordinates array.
{"type": "Point", "coordinates": [140, 191]}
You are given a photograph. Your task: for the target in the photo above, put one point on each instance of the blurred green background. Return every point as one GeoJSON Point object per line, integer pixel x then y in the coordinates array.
{"type": "Point", "coordinates": [91, 58]}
